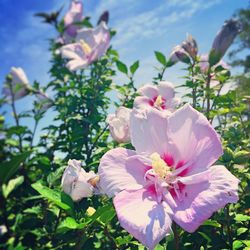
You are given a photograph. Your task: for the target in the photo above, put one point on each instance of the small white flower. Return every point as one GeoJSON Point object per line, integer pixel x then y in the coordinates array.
{"type": "Point", "coordinates": [18, 85]}
{"type": "Point", "coordinates": [119, 124]}
{"type": "Point", "coordinates": [78, 183]}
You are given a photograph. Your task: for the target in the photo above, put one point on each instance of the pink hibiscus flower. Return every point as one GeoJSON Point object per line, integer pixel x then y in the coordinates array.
{"type": "Point", "coordinates": [74, 15]}
{"type": "Point", "coordinates": [160, 97]}
{"type": "Point", "coordinates": [91, 45]}
{"type": "Point", "coordinates": [169, 176]}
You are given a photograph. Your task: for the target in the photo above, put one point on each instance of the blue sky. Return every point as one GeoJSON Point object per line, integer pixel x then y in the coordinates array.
{"type": "Point", "coordinates": [142, 27]}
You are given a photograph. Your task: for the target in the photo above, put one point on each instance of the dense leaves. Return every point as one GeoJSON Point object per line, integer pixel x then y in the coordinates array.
{"type": "Point", "coordinates": [35, 212]}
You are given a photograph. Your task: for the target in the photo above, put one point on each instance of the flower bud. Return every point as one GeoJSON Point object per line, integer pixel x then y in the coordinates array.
{"type": "Point", "coordinates": [119, 124]}
{"type": "Point", "coordinates": [104, 17]}
{"type": "Point", "coordinates": [179, 54]}
{"type": "Point", "coordinates": [190, 46]}
{"type": "Point", "coordinates": [17, 85]}
{"type": "Point", "coordinates": [76, 182]}
{"type": "Point", "coordinates": [223, 40]}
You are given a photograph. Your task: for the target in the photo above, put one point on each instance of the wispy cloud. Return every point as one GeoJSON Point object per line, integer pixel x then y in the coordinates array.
{"type": "Point", "coordinates": [153, 22]}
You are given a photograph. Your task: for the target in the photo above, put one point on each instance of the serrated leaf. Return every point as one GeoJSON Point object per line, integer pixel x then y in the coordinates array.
{"type": "Point", "coordinates": [134, 67]}
{"type": "Point", "coordinates": [122, 67]}
{"type": "Point", "coordinates": [12, 185]}
{"type": "Point", "coordinates": [8, 169]}
{"type": "Point", "coordinates": [160, 58]}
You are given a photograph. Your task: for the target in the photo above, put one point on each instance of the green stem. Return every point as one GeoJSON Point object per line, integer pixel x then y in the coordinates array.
{"type": "Point", "coordinates": [229, 231]}
{"type": "Point", "coordinates": [33, 133]}
{"type": "Point", "coordinates": [176, 237]}
{"type": "Point", "coordinates": [208, 94]}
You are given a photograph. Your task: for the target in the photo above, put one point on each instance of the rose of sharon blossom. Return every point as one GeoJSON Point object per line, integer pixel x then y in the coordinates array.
{"type": "Point", "coordinates": [78, 183]}
{"type": "Point", "coordinates": [73, 16]}
{"type": "Point", "coordinates": [169, 176]}
{"type": "Point", "coordinates": [44, 101]}
{"type": "Point", "coordinates": [17, 85]}
{"type": "Point", "coordinates": [91, 45]}
{"type": "Point", "coordinates": [119, 124]}
{"type": "Point", "coordinates": [160, 97]}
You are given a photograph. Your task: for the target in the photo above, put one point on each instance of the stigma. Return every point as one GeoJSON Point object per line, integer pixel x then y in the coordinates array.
{"type": "Point", "coordinates": [85, 47]}
{"type": "Point", "coordinates": [159, 166]}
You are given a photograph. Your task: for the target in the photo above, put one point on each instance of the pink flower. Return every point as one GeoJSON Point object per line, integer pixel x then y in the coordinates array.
{"type": "Point", "coordinates": [160, 97]}
{"type": "Point", "coordinates": [91, 45]}
{"type": "Point", "coordinates": [170, 175]}
{"type": "Point", "coordinates": [73, 16]}
{"type": "Point", "coordinates": [119, 124]}
{"type": "Point", "coordinates": [17, 85]}
{"type": "Point", "coordinates": [78, 183]}
{"type": "Point", "coordinates": [44, 101]}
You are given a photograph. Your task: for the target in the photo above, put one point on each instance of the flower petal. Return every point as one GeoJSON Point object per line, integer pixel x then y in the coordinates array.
{"type": "Point", "coordinates": [192, 139]}
{"type": "Point", "coordinates": [201, 200]}
{"type": "Point", "coordinates": [148, 90]}
{"type": "Point", "coordinates": [141, 215]}
{"type": "Point", "coordinates": [142, 102]}
{"type": "Point", "coordinates": [121, 169]}
{"type": "Point", "coordinates": [166, 89]}
{"type": "Point", "coordinates": [148, 131]}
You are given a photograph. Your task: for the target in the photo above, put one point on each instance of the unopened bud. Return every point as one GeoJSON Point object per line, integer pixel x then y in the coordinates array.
{"type": "Point", "coordinates": [223, 40]}
{"type": "Point", "coordinates": [104, 17]}
{"type": "Point", "coordinates": [179, 54]}
{"type": "Point", "coordinates": [190, 46]}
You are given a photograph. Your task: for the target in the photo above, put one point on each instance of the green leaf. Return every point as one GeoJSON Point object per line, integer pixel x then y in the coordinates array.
{"type": "Point", "coordinates": [8, 169]}
{"type": "Point", "coordinates": [122, 67]}
{"type": "Point", "coordinates": [241, 230]}
{"type": "Point", "coordinates": [108, 215]}
{"type": "Point", "coordinates": [58, 198]}
{"type": "Point", "coordinates": [100, 213]}
{"type": "Point", "coordinates": [12, 184]}
{"type": "Point", "coordinates": [161, 58]}
{"type": "Point", "coordinates": [212, 223]}
{"type": "Point", "coordinates": [237, 244]}
{"type": "Point", "coordinates": [242, 217]}
{"type": "Point", "coordinates": [69, 224]}
{"type": "Point", "coordinates": [134, 67]}
{"type": "Point", "coordinates": [241, 157]}
{"type": "Point", "coordinates": [214, 57]}
{"type": "Point", "coordinates": [206, 237]}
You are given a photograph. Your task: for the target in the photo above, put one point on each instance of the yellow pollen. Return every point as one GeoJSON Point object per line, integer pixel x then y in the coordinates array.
{"type": "Point", "coordinates": [158, 101]}
{"type": "Point", "coordinates": [86, 48]}
{"type": "Point", "coordinates": [160, 167]}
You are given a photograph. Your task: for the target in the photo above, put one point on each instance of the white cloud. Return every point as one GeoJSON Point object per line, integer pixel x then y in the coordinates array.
{"type": "Point", "coordinates": [154, 22]}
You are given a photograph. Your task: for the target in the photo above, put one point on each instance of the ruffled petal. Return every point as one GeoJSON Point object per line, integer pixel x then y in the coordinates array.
{"type": "Point", "coordinates": [148, 131]}
{"type": "Point", "coordinates": [192, 139]}
{"type": "Point", "coordinates": [141, 215]}
{"type": "Point", "coordinates": [148, 90]}
{"type": "Point", "coordinates": [121, 169]}
{"type": "Point", "coordinates": [199, 201]}
{"type": "Point", "coordinates": [142, 102]}
{"type": "Point", "coordinates": [166, 90]}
